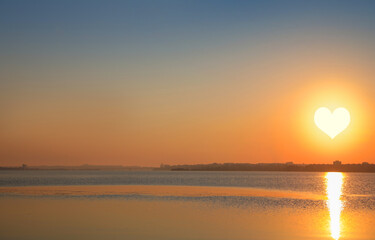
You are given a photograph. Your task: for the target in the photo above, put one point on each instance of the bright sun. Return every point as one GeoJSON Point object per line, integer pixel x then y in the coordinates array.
{"type": "Point", "coordinates": [332, 123]}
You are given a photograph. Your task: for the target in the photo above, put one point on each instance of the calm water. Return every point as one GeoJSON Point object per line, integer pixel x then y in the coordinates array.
{"type": "Point", "coordinates": [186, 205]}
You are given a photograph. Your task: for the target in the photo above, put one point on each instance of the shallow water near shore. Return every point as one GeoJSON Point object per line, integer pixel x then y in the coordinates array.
{"type": "Point", "coordinates": [186, 205]}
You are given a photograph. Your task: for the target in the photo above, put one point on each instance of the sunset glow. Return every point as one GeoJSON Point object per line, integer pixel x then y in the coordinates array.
{"type": "Point", "coordinates": [332, 123]}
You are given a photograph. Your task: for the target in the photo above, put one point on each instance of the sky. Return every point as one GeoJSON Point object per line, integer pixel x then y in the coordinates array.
{"type": "Point", "coordinates": [184, 82]}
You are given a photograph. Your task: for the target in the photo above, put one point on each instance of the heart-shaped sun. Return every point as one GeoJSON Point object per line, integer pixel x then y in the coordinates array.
{"type": "Point", "coordinates": [332, 123]}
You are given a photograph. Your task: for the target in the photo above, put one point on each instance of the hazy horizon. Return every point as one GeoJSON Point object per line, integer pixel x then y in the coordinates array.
{"type": "Point", "coordinates": [182, 164]}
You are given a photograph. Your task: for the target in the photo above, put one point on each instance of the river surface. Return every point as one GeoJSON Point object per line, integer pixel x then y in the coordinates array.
{"type": "Point", "coordinates": [186, 205]}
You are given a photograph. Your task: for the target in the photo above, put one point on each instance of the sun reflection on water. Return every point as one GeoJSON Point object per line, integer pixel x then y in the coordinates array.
{"type": "Point", "coordinates": [334, 182]}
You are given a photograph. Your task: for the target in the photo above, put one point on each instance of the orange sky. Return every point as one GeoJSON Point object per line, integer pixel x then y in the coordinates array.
{"type": "Point", "coordinates": [203, 125]}
{"type": "Point", "coordinates": [242, 91]}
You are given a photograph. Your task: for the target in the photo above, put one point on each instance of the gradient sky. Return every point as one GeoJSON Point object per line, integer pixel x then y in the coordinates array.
{"type": "Point", "coordinates": [150, 82]}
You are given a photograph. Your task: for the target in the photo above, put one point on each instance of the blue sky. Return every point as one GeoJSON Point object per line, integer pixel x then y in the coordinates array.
{"type": "Point", "coordinates": [145, 24]}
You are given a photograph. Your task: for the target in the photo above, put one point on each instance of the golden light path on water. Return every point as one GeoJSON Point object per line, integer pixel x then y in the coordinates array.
{"type": "Point", "coordinates": [334, 182]}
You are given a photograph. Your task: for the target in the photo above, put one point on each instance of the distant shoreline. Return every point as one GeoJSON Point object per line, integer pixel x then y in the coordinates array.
{"type": "Point", "coordinates": [337, 166]}
{"type": "Point", "coordinates": [271, 167]}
